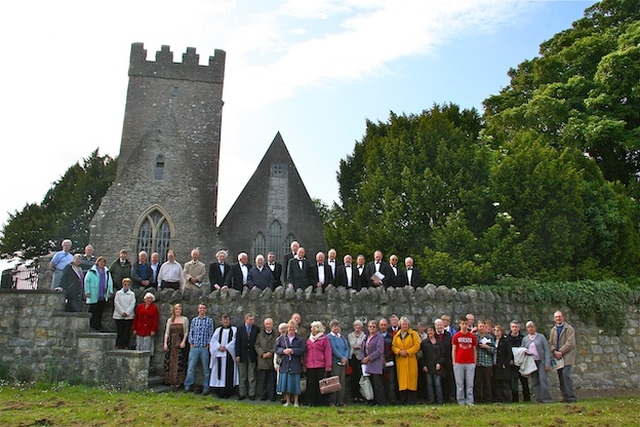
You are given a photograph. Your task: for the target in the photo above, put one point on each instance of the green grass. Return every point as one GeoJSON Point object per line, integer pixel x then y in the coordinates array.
{"type": "Point", "coordinates": [65, 405]}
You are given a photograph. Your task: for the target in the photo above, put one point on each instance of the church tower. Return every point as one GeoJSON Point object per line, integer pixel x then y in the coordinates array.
{"type": "Point", "coordinates": [165, 192]}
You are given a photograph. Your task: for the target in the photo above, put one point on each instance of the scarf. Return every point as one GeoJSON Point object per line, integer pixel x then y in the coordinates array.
{"type": "Point", "coordinates": [314, 338]}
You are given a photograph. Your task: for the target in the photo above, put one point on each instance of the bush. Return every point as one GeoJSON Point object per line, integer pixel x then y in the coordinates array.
{"type": "Point", "coordinates": [601, 301]}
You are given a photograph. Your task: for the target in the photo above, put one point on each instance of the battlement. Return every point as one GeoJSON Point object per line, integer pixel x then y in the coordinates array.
{"type": "Point", "coordinates": [164, 67]}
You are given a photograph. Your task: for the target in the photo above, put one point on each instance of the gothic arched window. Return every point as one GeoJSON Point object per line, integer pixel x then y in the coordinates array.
{"type": "Point", "coordinates": [286, 248]}
{"type": "Point", "coordinates": [259, 246]}
{"type": "Point", "coordinates": [154, 233]}
{"type": "Point", "coordinates": [275, 238]}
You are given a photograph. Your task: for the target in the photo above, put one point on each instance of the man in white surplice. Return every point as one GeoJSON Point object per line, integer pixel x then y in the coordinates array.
{"type": "Point", "coordinates": [224, 371]}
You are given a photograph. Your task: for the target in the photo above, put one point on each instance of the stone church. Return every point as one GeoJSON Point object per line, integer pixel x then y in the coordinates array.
{"type": "Point", "coordinates": [165, 192]}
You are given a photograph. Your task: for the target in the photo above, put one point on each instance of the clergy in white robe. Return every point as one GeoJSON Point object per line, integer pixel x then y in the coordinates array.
{"type": "Point", "coordinates": [224, 370]}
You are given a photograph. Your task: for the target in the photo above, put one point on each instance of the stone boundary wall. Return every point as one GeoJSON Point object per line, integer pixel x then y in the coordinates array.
{"type": "Point", "coordinates": [35, 333]}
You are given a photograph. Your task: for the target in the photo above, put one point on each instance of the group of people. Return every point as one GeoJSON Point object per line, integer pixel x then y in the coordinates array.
{"type": "Point", "coordinates": [478, 363]}
{"type": "Point", "coordinates": [384, 365]}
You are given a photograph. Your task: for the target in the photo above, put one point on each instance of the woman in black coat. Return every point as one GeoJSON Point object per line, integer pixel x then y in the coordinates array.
{"type": "Point", "coordinates": [432, 364]}
{"type": "Point", "coordinates": [502, 366]}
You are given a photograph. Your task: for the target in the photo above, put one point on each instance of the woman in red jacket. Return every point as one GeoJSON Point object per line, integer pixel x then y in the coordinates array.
{"type": "Point", "coordinates": [145, 323]}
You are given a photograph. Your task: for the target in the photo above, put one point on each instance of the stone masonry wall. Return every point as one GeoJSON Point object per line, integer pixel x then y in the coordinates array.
{"type": "Point", "coordinates": [34, 332]}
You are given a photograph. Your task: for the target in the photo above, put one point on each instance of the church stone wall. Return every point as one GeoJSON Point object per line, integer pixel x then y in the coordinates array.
{"type": "Point", "coordinates": [34, 333]}
{"type": "Point", "coordinates": [173, 114]}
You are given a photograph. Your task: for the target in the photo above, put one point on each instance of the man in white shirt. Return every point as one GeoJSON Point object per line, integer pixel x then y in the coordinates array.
{"type": "Point", "coordinates": [170, 275]}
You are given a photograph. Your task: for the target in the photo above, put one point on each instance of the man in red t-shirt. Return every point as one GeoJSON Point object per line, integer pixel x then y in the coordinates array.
{"type": "Point", "coordinates": [464, 353]}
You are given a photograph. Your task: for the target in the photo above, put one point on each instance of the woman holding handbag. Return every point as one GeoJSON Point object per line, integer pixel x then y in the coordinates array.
{"type": "Point", "coordinates": [317, 363]}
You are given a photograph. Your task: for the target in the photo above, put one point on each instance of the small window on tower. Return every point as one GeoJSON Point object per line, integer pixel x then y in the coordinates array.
{"type": "Point", "coordinates": [277, 169]}
{"type": "Point", "coordinates": [159, 173]}
{"type": "Point", "coordinates": [175, 90]}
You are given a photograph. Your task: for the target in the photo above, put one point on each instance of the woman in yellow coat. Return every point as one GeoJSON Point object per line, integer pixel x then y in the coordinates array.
{"type": "Point", "coordinates": [406, 344]}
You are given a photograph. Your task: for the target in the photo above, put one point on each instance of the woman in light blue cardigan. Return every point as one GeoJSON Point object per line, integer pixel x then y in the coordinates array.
{"type": "Point", "coordinates": [98, 287]}
{"type": "Point", "coordinates": [339, 358]}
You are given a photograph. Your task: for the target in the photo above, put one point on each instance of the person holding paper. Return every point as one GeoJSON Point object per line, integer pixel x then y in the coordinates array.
{"type": "Point", "coordinates": [377, 272]}
{"type": "Point", "coordinates": [562, 343]}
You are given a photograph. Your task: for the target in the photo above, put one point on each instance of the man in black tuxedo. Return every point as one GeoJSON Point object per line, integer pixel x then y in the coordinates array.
{"type": "Point", "coordinates": [218, 270]}
{"type": "Point", "coordinates": [288, 257]}
{"type": "Point", "coordinates": [361, 280]}
{"type": "Point", "coordinates": [378, 266]}
{"type": "Point", "coordinates": [394, 280]}
{"type": "Point", "coordinates": [333, 263]}
{"type": "Point", "coordinates": [320, 273]}
{"type": "Point", "coordinates": [246, 356]}
{"type": "Point", "coordinates": [298, 271]}
{"type": "Point", "coordinates": [276, 269]}
{"type": "Point", "coordinates": [410, 276]}
{"type": "Point", "coordinates": [347, 275]}
{"type": "Point", "coordinates": [238, 273]}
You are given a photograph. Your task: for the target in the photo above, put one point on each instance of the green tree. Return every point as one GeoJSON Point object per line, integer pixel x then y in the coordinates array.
{"type": "Point", "coordinates": [65, 212]}
{"type": "Point", "coordinates": [583, 92]}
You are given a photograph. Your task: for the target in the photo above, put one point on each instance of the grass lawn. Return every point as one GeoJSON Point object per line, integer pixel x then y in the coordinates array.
{"type": "Point", "coordinates": [63, 405]}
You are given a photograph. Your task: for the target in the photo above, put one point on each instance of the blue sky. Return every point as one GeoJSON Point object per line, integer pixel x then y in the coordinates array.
{"type": "Point", "coordinates": [314, 70]}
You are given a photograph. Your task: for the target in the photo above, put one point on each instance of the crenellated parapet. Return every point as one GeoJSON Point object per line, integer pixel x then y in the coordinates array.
{"type": "Point", "coordinates": [165, 67]}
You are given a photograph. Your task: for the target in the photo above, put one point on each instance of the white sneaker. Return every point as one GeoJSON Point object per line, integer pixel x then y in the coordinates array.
{"type": "Point", "coordinates": [286, 404]}
{"type": "Point", "coordinates": [295, 405]}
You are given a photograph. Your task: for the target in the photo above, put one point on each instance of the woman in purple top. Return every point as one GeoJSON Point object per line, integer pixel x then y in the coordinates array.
{"type": "Point", "coordinates": [373, 352]}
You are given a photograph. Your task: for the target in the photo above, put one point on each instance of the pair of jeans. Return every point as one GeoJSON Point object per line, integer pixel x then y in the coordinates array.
{"type": "Point", "coordinates": [197, 354]}
{"type": "Point", "coordinates": [434, 388]}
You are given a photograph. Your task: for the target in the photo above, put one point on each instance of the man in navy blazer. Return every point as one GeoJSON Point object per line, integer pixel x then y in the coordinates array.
{"type": "Point", "coordinates": [246, 356]}
{"type": "Point", "coordinates": [238, 273]}
{"type": "Point", "coordinates": [260, 276]}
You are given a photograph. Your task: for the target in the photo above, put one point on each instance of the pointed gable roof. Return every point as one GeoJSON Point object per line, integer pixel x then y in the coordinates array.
{"type": "Point", "coordinates": [275, 191]}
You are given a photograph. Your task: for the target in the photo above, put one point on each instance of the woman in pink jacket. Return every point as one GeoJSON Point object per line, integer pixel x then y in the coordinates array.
{"type": "Point", "coordinates": [317, 362]}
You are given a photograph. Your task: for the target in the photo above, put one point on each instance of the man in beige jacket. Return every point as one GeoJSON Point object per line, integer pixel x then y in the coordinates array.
{"type": "Point", "coordinates": [194, 271]}
{"type": "Point", "coordinates": [562, 343]}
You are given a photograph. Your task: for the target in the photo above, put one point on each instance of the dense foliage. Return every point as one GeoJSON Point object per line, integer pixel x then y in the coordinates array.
{"type": "Point", "coordinates": [65, 211]}
{"type": "Point", "coordinates": [545, 185]}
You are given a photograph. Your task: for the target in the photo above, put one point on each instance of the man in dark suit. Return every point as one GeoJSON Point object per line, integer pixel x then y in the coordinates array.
{"type": "Point", "coordinates": [361, 280]}
{"type": "Point", "coordinates": [288, 257]}
{"type": "Point", "coordinates": [260, 276]}
{"type": "Point", "coordinates": [333, 263]}
{"type": "Point", "coordinates": [410, 276]}
{"type": "Point", "coordinates": [394, 279]}
{"type": "Point", "coordinates": [238, 273]}
{"type": "Point", "coordinates": [448, 382]}
{"type": "Point", "coordinates": [298, 271]}
{"type": "Point", "coordinates": [347, 275]}
{"type": "Point", "coordinates": [218, 270]}
{"type": "Point", "coordinates": [378, 266]}
{"type": "Point", "coordinates": [246, 357]}
{"type": "Point", "coordinates": [276, 269]}
{"type": "Point", "coordinates": [320, 273]}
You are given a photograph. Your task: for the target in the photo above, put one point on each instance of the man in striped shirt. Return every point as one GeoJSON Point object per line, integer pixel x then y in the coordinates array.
{"type": "Point", "coordinates": [200, 333]}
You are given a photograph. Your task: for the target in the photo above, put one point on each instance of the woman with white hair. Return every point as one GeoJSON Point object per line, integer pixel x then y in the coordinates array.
{"type": "Point", "coordinates": [406, 344]}
{"type": "Point", "coordinates": [537, 345]}
{"type": "Point", "coordinates": [356, 341]}
{"type": "Point", "coordinates": [145, 323]}
{"type": "Point", "coordinates": [317, 362]}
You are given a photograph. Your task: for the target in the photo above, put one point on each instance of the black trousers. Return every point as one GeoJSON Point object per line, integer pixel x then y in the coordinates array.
{"type": "Point", "coordinates": [123, 329]}
{"type": "Point", "coordinates": [378, 389]}
{"type": "Point", "coordinates": [268, 381]}
{"type": "Point", "coordinates": [96, 311]}
{"type": "Point", "coordinates": [314, 397]}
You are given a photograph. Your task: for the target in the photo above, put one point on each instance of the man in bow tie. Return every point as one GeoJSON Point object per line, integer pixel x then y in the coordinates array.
{"type": "Point", "coordinates": [218, 270]}
{"type": "Point", "coordinates": [276, 269]}
{"type": "Point", "coordinates": [410, 276]}
{"type": "Point", "coordinates": [321, 272]}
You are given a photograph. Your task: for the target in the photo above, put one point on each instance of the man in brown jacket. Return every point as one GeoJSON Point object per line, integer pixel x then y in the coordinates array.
{"type": "Point", "coordinates": [562, 343]}
{"type": "Point", "coordinates": [265, 342]}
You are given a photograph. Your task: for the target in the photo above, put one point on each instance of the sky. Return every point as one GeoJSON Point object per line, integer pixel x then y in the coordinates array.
{"type": "Point", "coordinates": [314, 70]}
